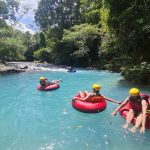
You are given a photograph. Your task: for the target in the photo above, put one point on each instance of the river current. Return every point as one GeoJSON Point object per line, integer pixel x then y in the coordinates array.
{"type": "Point", "coordinates": [36, 120]}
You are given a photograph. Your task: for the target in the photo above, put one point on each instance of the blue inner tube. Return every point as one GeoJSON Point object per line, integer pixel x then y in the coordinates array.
{"type": "Point", "coordinates": [71, 70]}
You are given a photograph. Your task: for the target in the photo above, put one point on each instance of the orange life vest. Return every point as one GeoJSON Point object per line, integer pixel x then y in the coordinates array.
{"type": "Point", "coordinates": [95, 99]}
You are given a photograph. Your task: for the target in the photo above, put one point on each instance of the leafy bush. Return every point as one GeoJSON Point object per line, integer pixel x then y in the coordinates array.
{"type": "Point", "coordinates": [10, 50]}
{"type": "Point", "coordinates": [138, 74]}
{"type": "Point", "coordinates": [43, 54]}
{"type": "Point", "coordinates": [79, 46]}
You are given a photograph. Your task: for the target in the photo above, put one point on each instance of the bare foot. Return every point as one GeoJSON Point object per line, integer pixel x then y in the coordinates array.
{"type": "Point", "coordinates": [133, 129]}
{"type": "Point", "coordinates": [125, 126]}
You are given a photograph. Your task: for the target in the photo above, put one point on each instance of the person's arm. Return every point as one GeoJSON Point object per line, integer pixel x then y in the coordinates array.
{"type": "Point", "coordinates": [111, 100]}
{"type": "Point", "coordinates": [144, 108]}
{"type": "Point", "coordinates": [120, 106]}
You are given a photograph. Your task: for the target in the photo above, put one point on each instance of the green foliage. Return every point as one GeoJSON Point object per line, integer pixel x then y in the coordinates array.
{"type": "Point", "coordinates": [43, 54]}
{"type": "Point", "coordinates": [108, 38]}
{"type": "Point", "coordinates": [8, 9]}
{"type": "Point", "coordinates": [50, 43]}
{"type": "Point", "coordinates": [62, 53]}
{"type": "Point", "coordinates": [11, 44]}
{"type": "Point", "coordinates": [90, 10]}
{"type": "Point", "coordinates": [57, 15]}
{"type": "Point", "coordinates": [131, 23]}
{"type": "Point", "coordinates": [79, 45]}
{"type": "Point", "coordinates": [42, 39]}
{"type": "Point", "coordinates": [138, 74]}
{"type": "Point", "coordinates": [32, 43]}
{"type": "Point", "coordinates": [3, 9]}
{"type": "Point", "coordinates": [11, 49]}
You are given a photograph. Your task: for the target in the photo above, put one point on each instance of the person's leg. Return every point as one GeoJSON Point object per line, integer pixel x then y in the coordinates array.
{"type": "Point", "coordinates": [129, 118]}
{"type": "Point", "coordinates": [137, 123]}
{"type": "Point", "coordinates": [81, 94]}
{"type": "Point", "coordinates": [56, 81]}
{"type": "Point", "coordinates": [86, 93]}
{"type": "Point", "coordinates": [53, 81]}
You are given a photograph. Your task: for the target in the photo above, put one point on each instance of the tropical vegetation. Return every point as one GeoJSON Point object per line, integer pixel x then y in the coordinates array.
{"type": "Point", "coordinates": [104, 34]}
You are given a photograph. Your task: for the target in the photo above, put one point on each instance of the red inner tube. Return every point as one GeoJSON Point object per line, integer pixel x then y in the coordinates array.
{"type": "Point", "coordinates": [124, 111]}
{"type": "Point", "coordinates": [48, 88]}
{"type": "Point", "coordinates": [89, 107]}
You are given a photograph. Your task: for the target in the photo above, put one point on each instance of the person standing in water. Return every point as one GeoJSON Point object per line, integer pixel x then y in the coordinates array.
{"type": "Point", "coordinates": [138, 104]}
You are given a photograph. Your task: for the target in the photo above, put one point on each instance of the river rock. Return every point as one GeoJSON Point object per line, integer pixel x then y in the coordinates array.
{"type": "Point", "coordinates": [10, 69]}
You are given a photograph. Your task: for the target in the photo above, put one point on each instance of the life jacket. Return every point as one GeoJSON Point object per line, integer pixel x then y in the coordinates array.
{"type": "Point", "coordinates": [95, 99]}
{"type": "Point", "coordinates": [137, 104]}
{"type": "Point", "coordinates": [144, 96]}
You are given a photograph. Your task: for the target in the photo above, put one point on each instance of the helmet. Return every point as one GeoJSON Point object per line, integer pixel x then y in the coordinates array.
{"type": "Point", "coordinates": [96, 87]}
{"type": "Point", "coordinates": [42, 78]}
{"type": "Point", "coordinates": [134, 92]}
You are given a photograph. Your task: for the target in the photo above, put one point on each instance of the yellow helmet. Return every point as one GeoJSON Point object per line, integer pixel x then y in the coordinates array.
{"type": "Point", "coordinates": [42, 78]}
{"type": "Point", "coordinates": [134, 92]}
{"type": "Point", "coordinates": [96, 87]}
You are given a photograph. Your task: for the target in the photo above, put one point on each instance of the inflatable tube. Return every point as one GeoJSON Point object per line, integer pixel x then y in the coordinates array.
{"type": "Point", "coordinates": [71, 71]}
{"type": "Point", "coordinates": [49, 88]}
{"type": "Point", "coordinates": [89, 107]}
{"type": "Point", "coordinates": [124, 111]}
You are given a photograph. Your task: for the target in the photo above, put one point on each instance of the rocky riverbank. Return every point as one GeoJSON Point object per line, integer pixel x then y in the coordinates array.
{"type": "Point", "coordinates": [10, 68]}
{"type": "Point", "coordinates": [16, 67]}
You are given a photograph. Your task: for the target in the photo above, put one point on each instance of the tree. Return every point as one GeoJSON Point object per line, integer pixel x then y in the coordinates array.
{"type": "Point", "coordinates": [131, 23]}
{"type": "Point", "coordinates": [90, 10]}
{"type": "Point", "coordinates": [43, 54]}
{"type": "Point", "coordinates": [8, 9]}
{"type": "Point", "coordinates": [11, 45]}
{"type": "Point", "coordinates": [79, 46]}
{"type": "Point", "coordinates": [58, 15]}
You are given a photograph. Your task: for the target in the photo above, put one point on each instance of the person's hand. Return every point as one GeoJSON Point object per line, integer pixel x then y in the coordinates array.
{"type": "Point", "coordinates": [114, 113]}
{"type": "Point", "coordinates": [142, 130]}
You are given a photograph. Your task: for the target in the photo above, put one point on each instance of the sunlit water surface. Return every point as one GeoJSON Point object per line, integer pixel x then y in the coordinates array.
{"type": "Point", "coordinates": [35, 120]}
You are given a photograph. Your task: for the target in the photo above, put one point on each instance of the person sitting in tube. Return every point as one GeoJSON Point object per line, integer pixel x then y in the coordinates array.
{"type": "Point", "coordinates": [138, 106]}
{"type": "Point", "coordinates": [42, 83]}
{"type": "Point", "coordinates": [70, 69]}
{"type": "Point", "coordinates": [96, 93]}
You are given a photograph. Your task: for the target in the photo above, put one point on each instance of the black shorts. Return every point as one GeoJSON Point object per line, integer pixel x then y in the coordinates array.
{"type": "Point", "coordinates": [136, 113]}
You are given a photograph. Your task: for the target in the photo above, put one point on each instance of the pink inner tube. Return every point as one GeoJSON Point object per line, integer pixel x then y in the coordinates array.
{"type": "Point", "coordinates": [88, 107]}
{"type": "Point", "coordinates": [124, 111]}
{"type": "Point", "coordinates": [49, 88]}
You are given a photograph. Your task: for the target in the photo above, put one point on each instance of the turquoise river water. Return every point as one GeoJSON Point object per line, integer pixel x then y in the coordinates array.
{"type": "Point", "coordinates": [35, 120]}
